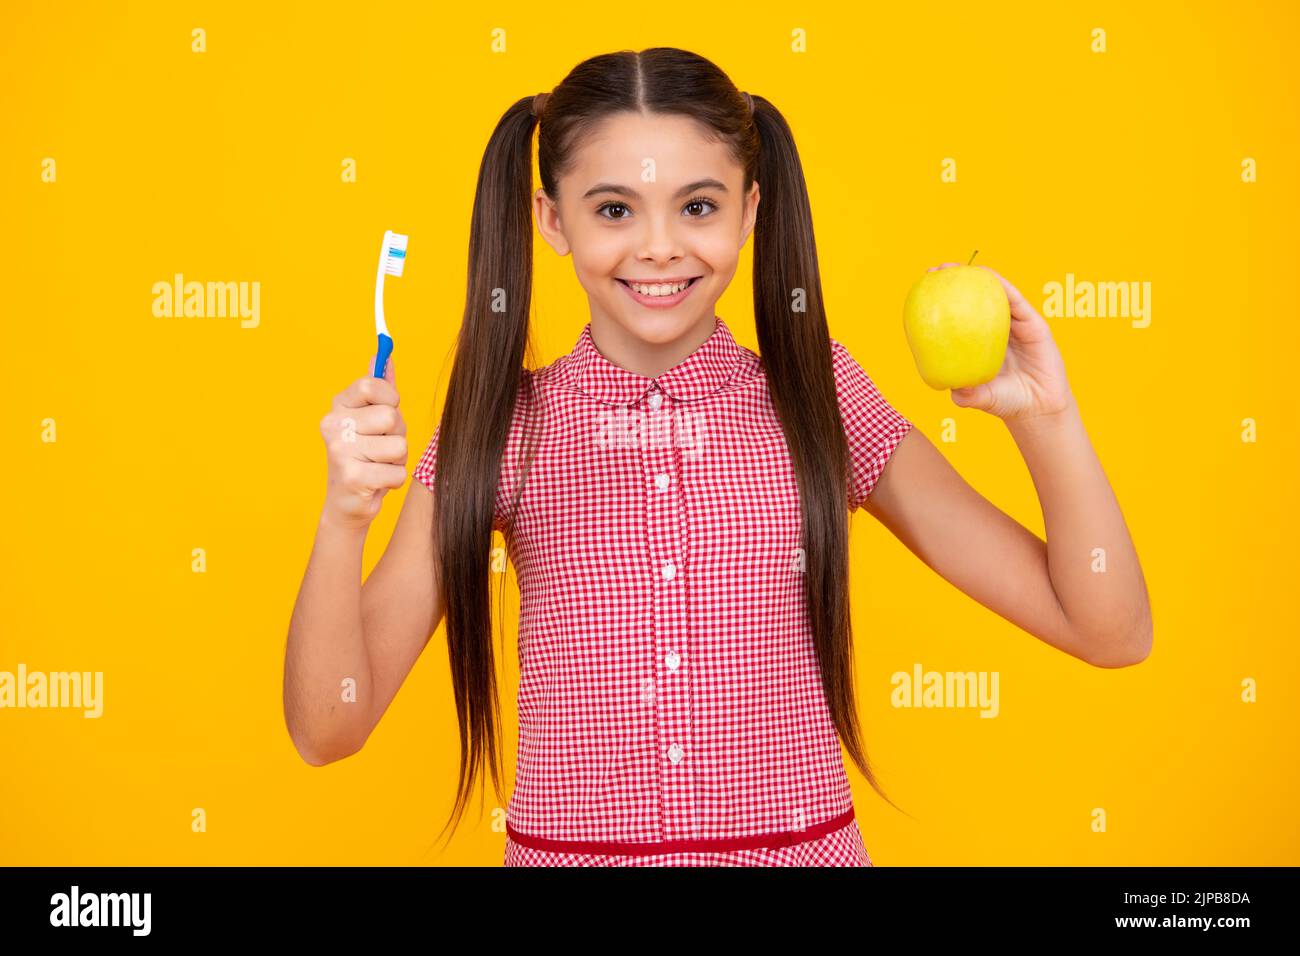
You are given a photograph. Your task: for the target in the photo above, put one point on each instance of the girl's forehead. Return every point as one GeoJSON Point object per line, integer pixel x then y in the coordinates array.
{"type": "Point", "coordinates": [644, 149]}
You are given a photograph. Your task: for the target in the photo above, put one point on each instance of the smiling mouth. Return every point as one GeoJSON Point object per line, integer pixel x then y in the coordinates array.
{"type": "Point", "coordinates": [690, 282]}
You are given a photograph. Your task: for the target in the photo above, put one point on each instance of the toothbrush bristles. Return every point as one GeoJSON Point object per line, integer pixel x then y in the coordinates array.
{"type": "Point", "coordinates": [395, 258]}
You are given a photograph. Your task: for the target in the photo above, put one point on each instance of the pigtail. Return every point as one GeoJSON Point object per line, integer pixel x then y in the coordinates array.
{"type": "Point", "coordinates": [794, 342]}
{"type": "Point", "coordinates": [475, 425]}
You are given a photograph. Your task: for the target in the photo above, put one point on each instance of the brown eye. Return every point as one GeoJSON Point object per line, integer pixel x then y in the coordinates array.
{"type": "Point", "coordinates": [611, 205]}
{"type": "Point", "coordinates": [701, 201]}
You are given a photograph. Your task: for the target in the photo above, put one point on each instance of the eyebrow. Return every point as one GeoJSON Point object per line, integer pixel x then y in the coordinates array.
{"type": "Point", "coordinates": [620, 190]}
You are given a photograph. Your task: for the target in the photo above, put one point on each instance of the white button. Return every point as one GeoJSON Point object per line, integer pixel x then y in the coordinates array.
{"type": "Point", "coordinates": [669, 569]}
{"type": "Point", "coordinates": [673, 661]}
{"type": "Point", "coordinates": [655, 400]}
{"type": "Point", "coordinates": [648, 691]}
{"type": "Point", "coordinates": [675, 753]}
{"type": "Point", "coordinates": [661, 481]}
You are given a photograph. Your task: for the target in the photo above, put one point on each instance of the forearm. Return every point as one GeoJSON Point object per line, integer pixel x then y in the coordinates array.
{"type": "Point", "coordinates": [326, 647]}
{"type": "Point", "coordinates": [1091, 559]}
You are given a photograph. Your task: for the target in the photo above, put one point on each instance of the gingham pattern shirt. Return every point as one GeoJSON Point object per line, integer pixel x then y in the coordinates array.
{"type": "Point", "coordinates": [670, 703]}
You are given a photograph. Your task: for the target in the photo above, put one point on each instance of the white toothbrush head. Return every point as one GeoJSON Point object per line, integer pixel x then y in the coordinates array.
{"type": "Point", "coordinates": [394, 256]}
{"type": "Point", "coordinates": [392, 260]}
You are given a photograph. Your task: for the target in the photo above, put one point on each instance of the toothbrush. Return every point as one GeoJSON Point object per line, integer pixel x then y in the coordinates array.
{"type": "Point", "coordinates": [392, 257]}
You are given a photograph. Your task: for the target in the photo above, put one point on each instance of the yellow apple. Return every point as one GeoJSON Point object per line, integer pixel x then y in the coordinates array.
{"type": "Point", "coordinates": [957, 322]}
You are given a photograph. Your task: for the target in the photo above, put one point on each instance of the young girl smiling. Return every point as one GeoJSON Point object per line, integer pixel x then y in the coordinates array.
{"type": "Point", "coordinates": [675, 504]}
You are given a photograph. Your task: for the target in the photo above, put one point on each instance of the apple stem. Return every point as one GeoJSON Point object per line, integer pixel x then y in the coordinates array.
{"type": "Point", "coordinates": [972, 257]}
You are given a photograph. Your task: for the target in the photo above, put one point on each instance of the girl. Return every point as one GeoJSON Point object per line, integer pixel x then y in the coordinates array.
{"type": "Point", "coordinates": [675, 506]}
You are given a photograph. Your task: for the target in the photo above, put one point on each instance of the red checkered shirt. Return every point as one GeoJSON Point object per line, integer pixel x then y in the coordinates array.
{"type": "Point", "coordinates": [670, 703]}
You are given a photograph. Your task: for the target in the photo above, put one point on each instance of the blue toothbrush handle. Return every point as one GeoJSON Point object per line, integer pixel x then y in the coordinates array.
{"type": "Point", "coordinates": [381, 357]}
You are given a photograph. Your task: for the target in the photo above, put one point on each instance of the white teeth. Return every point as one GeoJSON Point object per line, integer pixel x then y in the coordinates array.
{"type": "Point", "coordinates": [658, 289]}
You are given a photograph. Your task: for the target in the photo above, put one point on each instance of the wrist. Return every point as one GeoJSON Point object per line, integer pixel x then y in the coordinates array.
{"type": "Point", "coordinates": [335, 524]}
{"type": "Point", "coordinates": [1045, 422]}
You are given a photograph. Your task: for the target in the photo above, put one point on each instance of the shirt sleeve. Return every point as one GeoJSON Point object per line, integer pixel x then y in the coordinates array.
{"type": "Point", "coordinates": [426, 468]}
{"type": "Point", "coordinates": [872, 426]}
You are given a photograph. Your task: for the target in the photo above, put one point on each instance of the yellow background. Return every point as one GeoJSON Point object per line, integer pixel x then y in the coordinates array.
{"type": "Point", "coordinates": [184, 433]}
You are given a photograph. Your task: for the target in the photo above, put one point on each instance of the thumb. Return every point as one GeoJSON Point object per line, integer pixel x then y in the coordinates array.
{"type": "Point", "coordinates": [390, 373]}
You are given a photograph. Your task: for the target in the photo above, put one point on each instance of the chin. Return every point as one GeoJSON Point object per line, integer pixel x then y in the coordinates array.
{"type": "Point", "coordinates": [661, 328]}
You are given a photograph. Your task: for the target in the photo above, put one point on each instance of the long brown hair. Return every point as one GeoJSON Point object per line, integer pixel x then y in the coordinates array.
{"type": "Point", "coordinates": [484, 387]}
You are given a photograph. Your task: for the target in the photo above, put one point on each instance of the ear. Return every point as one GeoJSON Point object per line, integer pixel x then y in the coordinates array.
{"type": "Point", "coordinates": [547, 215]}
{"type": "Point", "coordinates": [750, 213]}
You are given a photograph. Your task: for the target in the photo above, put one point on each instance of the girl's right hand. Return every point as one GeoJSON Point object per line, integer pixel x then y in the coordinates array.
{"type": "Point", "coordinates": [365, 443]}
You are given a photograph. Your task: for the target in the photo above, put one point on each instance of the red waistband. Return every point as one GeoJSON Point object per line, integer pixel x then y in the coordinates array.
{"type": "Point", "coordinates": [757, 841]}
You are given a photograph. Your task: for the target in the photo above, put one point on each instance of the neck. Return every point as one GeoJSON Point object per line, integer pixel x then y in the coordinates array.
{"type": "Point", "coordinates": [644, 357]}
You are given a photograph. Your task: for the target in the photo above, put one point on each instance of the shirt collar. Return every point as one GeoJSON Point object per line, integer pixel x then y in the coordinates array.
{"type": "Point", "coordinates": [714, 362]}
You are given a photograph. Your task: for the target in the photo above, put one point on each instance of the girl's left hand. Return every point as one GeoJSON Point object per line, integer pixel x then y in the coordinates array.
{"type": "Point", "coordinates": [1032, 379]}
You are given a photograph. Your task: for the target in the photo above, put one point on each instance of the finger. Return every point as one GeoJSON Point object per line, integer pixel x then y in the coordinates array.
{"type": "Point", "coordinates": [369, 390]}
{"type": "Point", "coordinates": [378, 474]}
{"type": "Point", "coordinates": [383, 448]}
{"type": "Point", "coordinates": [973, 396]}
{"type": "Point", "coordinates": [370, 420]}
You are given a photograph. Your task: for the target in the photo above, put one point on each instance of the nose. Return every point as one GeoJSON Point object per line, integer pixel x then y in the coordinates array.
{"type": "Point", "coordinates": [661, 241]}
